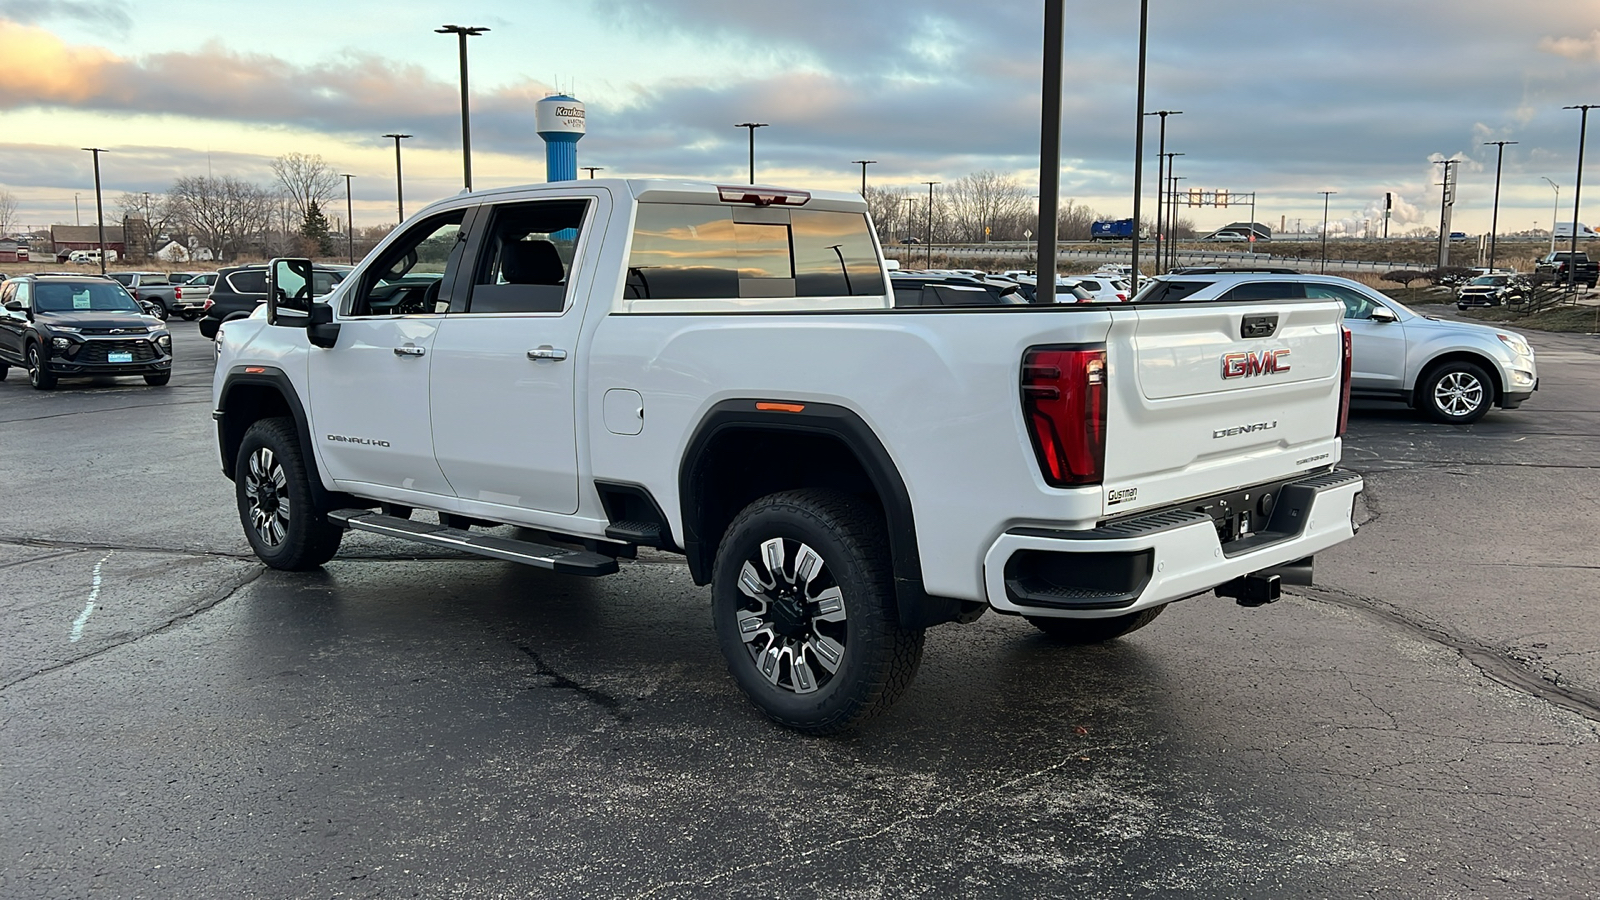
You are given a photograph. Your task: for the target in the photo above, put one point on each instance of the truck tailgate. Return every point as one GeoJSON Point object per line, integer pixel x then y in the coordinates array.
{"type": "Point", "coordinates": [1206, 398]}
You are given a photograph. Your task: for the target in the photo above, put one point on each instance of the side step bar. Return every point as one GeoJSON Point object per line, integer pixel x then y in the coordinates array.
{"type": "Point", "coordinates": [541, 556]}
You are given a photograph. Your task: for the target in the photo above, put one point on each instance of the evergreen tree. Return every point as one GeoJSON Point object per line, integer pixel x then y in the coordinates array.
{"type": "Point", "coordinates": [315, 229]}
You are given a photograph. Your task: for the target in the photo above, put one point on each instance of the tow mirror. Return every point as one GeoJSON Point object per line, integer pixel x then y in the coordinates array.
{"type": "Point", "coordinates": [1383, 314]}
{"type": "Point", "coordinates": [289, 284]}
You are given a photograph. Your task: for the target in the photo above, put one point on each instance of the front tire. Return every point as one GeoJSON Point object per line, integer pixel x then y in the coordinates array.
{"type": "Point", "coordinates": [157, 379]}
{"type": "Point", "coordinates": [1095, 631]}
{"type": "Point", "coordinates": [39, 374]}
{"type": "Point", "coordinates": [1456, 393]}
{"type": "Point", "coordinates": [273, 489]}
{"type": "Point", "coordinates": [804, 608]}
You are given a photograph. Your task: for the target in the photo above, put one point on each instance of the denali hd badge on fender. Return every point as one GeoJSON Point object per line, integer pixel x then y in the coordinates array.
{"type": "Point", "coordinates": [1265, 362]}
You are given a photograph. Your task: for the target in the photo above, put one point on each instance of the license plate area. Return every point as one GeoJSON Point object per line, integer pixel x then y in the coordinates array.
{"type": "Point", "coordinates": [123, 356]}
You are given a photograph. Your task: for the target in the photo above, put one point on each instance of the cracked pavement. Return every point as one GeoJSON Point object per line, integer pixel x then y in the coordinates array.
{"type": "Point", "coordinates": [1420, 723]}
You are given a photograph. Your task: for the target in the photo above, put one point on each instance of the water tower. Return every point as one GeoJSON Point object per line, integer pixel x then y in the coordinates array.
{"type": "Point", "coordinates": [559, 120]}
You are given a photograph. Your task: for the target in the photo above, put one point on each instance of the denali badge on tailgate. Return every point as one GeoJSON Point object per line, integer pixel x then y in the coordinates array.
{"type": "Point", "coordinates": [1265, 362]}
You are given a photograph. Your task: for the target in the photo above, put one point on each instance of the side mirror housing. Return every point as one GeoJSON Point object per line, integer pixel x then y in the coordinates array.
{"type": "Point", "coordinates": [1383, 314]}
{"type": "Point", "coordinates": [15, 306]}
{"type": "Point", "coordinates": [289, 283]}
{"type": "Point", "coordinates": [321, 330]}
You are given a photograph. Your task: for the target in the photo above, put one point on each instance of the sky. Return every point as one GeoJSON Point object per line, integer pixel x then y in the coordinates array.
{"type": "Point", "coordinates": [1284, 99]}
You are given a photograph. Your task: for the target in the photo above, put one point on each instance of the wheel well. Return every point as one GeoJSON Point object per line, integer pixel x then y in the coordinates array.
{"type": "Point", "coordinates": [242, 406]}
{"type": "Point", "coordinates": [1476, 359]}
{"type": "Point", "coordinates": [741, 465]}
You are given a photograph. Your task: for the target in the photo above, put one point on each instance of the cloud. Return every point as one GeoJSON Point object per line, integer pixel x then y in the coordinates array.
{"type": "Point", "coordinates": [105, 12]}
{"type": "Point", "coordinates": [1585, 49]}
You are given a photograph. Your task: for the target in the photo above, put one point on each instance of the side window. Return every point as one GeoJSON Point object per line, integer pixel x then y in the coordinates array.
{"type": "Point", "coordinates": [406, 279]}
{"type": "Point", "coordinates": [1266, 290]}
{"type": "Point", "coordinates": [527, 257]}
{"type": "Point", "coordinates": [249, 281]}
{"type": "Point", "coordinates": [1356, 305]}
{"type": "Point", "coordinates": [25, 294]}
{"type": "Point", "coordinates": [683, 252]}
{"type": "Point", "coordinates": [7, 293]}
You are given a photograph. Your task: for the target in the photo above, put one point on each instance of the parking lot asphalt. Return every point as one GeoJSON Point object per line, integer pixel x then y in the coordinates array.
{"type": "Point", "coordinates": [176, 721]}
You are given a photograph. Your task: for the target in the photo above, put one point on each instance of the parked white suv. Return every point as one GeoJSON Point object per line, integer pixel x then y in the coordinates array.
{"type": "Point", "coordinates": [1451, 371]}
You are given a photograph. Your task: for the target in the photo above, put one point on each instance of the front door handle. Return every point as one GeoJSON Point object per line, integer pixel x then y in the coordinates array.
{"type": "Point", "coordinates": [409, 350]}
{"type": "Point", "coordinates": [547, 352]}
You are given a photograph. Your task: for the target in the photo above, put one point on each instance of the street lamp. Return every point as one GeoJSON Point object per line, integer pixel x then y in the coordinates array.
{"type": "Point", "coordinates": [1050, 152]}
{"type": "Point", "coordinates": [1138, 150]}
{"type": "Point", "coordinates": [1494, 219]}
{"type": "Point", "coordinates": [591, 170]}
{"type": "Point", "coordinates": [99, 209]}
{"type": "Point", "coordinates": [1577, 187]}
{"type": "Point", "coordinates": [399, 185]}
{"type": "Point", "coordinates": [1171, 226]}
{"type": "Point", "coordinates": [1555, 210]}
{"type": "Point", "coordinates": [462, 32]}
{"type": "Point", "coordinates": [863, 163]}
{"type": "Point", "coordinates": [752, 126]}
{"type": "Point", "coordinates": [1325, 196]}
{"type": "Point", "coordinates": [930, 185]}
{"type": "Point", "coordinates": [1160, 175]}
{"type": "Point", "coordinates": [349, 220]}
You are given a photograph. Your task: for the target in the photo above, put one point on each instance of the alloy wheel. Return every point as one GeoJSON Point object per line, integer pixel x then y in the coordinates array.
{"type": "Point", "coordinates": [1458, 394]}
{"type": "Point", "coordinates": [266, 486]}
{"type": "Point", "coordinates": [792, 619]}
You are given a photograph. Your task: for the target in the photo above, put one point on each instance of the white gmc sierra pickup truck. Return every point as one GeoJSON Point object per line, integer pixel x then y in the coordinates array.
{"type": "Point", "coordinates": [722, 372]}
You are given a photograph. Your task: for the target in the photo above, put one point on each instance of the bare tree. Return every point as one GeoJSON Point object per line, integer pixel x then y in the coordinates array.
{"type": "Point", "coordinates": [306, 179]}
{"type": "Point", "coordinates": [889, 212]}
{"type": "Point", "coordinates": [8, 212]}
{"type": "Point", "coordinates": [229, 214]}
{"type": "Point", "coordinates": [982, 202]}
{"type": "Point", "coordinates": [1075, 222]}
{"type": "Point", "coordinates": [159, 213]}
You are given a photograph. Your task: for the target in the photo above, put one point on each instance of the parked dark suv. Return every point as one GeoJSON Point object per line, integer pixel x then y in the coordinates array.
{"type": "Point", "coordinates": [65, 326]}
{"type": "Point", "coordinates": [240, 289]}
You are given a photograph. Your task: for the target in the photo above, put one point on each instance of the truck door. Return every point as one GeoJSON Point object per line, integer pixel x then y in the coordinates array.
{"type": "Point", "coordinates": [370, 406]}
{"type": "Point", "coordinates": [503, 378]}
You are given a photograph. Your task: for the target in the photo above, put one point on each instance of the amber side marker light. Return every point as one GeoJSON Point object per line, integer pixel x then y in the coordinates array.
{"type": "Point", "coordinates": [780, 407]}
{"type": "Point", "coordinates": [254, 370]}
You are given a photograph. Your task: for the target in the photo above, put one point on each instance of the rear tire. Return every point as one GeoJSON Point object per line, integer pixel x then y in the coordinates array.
{"type": "Point", "coordinates": [3, 370]}
{"type": "Point", "coordinates": [1095, 631]}
{"type": "Point", "coordinates": [273, 490]}
{"type": "Point", "coordinates": [804, 607]}
{"type": "Point", "coordinates": [189, 315]}
{"type": "Point", "coordinates": [1455, 393]}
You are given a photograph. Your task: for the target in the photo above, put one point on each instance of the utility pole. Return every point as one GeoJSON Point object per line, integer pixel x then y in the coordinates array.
{"type": "Point", "coordinates": [1577, 187]}
{"type": "Point", "coordinates": [752, 126]}
{"type": "Point", "coordinates": [1447, 199]}
{"type": "Point", "coordinates": [1325, 196]}
{"type": "Point", "coordinates": [1138, 146]}
{"type": "Point", "coordinates": [99, 209]}
{"type": "Point", "coordinates": [930, 185]}
{"type": "Point", "coordinates": [1555, 210]}
{"type": "Point", "coordinates": [1494, 219]}
{"type": "Point", "coordinates": [863, 163]}
{"type": "Point", "coordinates": [1049, 153]}
{"type": "Point", "coordinates": [462, 32]}
{"type": "Point", "coordinates": [399, 183]}
{"type": "Point", "coordinates": [591, 170]}
{"type": "Point", "coordinates": [349, 221]}
{"type": "Point", "coordinates": [1161, 171]}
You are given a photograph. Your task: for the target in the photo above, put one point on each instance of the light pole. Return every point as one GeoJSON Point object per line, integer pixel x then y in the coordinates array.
{"type": "Point", "coordinates": [930, 185]}
{"type": "Point", "coordinates": [1555, 210]}
{"type": "Point", "coordinates": [1494, 219]}
{"type": "Point", "coordinates": [1138, 148]}
{"type": "Point", "coordinates": [1161, 151]}
{"type": "Point", "coordinates": [752, 126]}
{"type": "Point", "coordinates": [1325, 196]}
{"type": "Point", "coordinates": [591, 170]}
{"type": "Point", "coordinates": [462, 32]}
{"type": "Point", "coordinates": [863, 163]}
{"type": "Point", "coordinates": [1171, 226]}
{"type": "Point", "coordinates": [1049, 152]}
{"type": "Point", "coordinates": [349, 221]}
{"type": "Point", "coordinates": [399, 184]}
{"type": "Point", "coordinates": [1447, 199]}
{"type": "Point", "coordinates": [77, 217]}
{"type": "Point", "coordinates": [99, 209]}
{"type": "Point", "coordinates": [1577, 186]}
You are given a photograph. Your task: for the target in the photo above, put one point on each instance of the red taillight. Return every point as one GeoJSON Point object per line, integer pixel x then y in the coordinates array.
{"type": "Point", "coordinates": [1064, 402]}
{"type": "Point", "coordinates": [207, 304]}
{"type": "Point", "coordinates": [1344, 385]}
{"type": "Point", "coordinates": [177, 293]}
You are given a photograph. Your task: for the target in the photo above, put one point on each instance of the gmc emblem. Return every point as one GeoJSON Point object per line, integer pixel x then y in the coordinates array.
{"type": "Point", "coordinates": [1243, 365]}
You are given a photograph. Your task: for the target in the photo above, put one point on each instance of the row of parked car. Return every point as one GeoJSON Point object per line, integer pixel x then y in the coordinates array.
{"type": "Point", "coordinates": [974, 287]}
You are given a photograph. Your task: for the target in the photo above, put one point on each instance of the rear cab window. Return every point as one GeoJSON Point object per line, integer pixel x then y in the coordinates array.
{"type": "Point", "coordinates": [1163, 291]}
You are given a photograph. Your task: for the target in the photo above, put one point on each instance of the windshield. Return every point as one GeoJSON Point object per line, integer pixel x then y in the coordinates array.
{"type": "Point", "coordinates": [87, 296]}
{"type": "Point", "coordinates": [1159, 290]}
{"type": "Point", "coordinates": [1490, 279]}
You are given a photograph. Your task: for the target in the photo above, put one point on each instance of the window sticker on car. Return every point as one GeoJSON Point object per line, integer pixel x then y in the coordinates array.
{"type": "Point", "coordinates": [80, 300]}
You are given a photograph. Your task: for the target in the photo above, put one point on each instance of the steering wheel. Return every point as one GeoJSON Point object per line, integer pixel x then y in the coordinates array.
{"type": "Point", "coordinates": [430, 297]}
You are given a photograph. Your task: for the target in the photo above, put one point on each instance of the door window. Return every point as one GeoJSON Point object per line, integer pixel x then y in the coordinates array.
{"type": "Point", "coordinates": [1356, 305]}
{"type": "Point", "coordinates": [407, 279]}
{"type": "Point", "coordinates": [1266, 290]}
{"type": "Point", "coordinates": [527, 258]}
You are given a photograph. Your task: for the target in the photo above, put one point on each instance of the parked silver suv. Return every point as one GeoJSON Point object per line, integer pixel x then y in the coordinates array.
{"type": "Point", "coordinates": [1451, 371]}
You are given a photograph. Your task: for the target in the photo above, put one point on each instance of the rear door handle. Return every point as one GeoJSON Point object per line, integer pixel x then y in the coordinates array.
{"type": "Point", "coordinates": [547, 352]}
{"type": "Point", "coordinates": [409, 350]}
